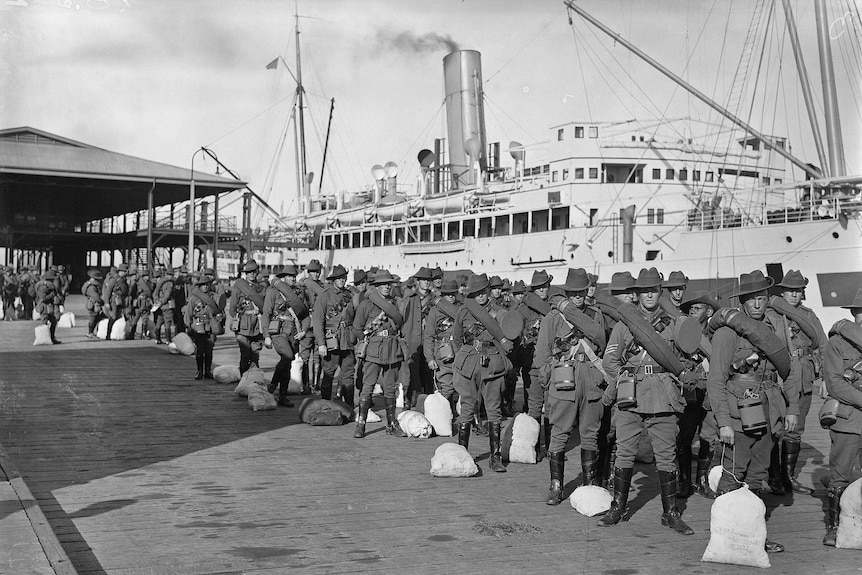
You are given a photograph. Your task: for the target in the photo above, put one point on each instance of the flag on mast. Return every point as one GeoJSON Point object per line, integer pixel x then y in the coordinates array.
{"type": "Point", "coordinates": [272, 65]}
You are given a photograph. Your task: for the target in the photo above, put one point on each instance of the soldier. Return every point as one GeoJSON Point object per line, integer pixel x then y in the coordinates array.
{"type": "Point", "coordinates": [26, 291]}
{"type": "Point", "coordinates": [332, 319]}
{"type": "Point", "coordinates": [675, 285]}
{"type": "Point", "coordinates": [569, 343]}
{"type": "Point", "coordinates": [200, 311]}
{"type": "Point", "coordinates": [534, 307]}
{"type": "Point", "coordinates": [782, 468]}
{"type": "Point", "coordinates": [286, 316]}
{"type": "Point", "coordinates": [842, 375]}
{"type": "Point", "coordinates": [697, 415]}
{"type": "Point", "coordinates": [9, 293]}
{"type": "Point", "coordinates": [496, 286]}
{"type": "Point", "coordinates": [48, 302]}
{"type": "Point", "coordinates": [62, 283]}
{"type": "Point", "coordinates": [142, 295]}
{"type": "Point", "coordinates": [658, 402]}
{"type": "Point", "coordinates": [480, 365]}
{"type": "Point", "coordinates": [164, 304]}
{"type": "Point", "coordinates": [115, 294]}
{"type": "Point", "coordinates": [310, 361]}
{"type": "Point", "coordinates": [92, 290]}
{"type": "Point", "coordinates": [437, 340]}
{"type": "Point", "coordinates": [740, 371]}
{"type": "Point", "coordinates": [377, 322]}
{"type": "Point", "coordinates": [591, 291]}
{"type": "Point", "coordinates": [415, 306]}
{"type": "Point", "coordinates": [246, 303]}
{"type": "Point", "coordinates": [437, 281]}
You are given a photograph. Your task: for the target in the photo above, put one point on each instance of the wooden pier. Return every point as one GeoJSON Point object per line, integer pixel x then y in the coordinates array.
{"type": "Point", "coordinates": [137, 468]}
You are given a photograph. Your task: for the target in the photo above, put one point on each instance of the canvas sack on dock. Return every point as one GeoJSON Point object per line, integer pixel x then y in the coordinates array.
{"type": "Point", "coordinates": [415, 424]}
{"type": "Point", "coordinates": [590, 500]}
{"type": "Point", "coordinates": [102, 329]}
{"type": "Point", "coordinates": [850, 518]}
{"type": "Point", "coordinates": [254, 375]}
{"type": "Point", "coordinates": [43, 335]}
{"type": "Point", "coordinates": [453, 460]}
{"type": "Point", "coordinates": [67, 320]}
{"type": "Point", "coordinates": [518, 439]}
{"type": "Point", "coordinates": [316, 411]}
{"type": "Point", "coordinates": [226, 374]}
{"type": "Point", "coordinates": [737, 526]}
{"type": "Point", "coordinates": [118, 330]}
{"type": "Point", "coordinates": [259, 399]}
{"type": "Point", "coordinates": [184, 343]}
{"type": "Point", "coordinates": [438, 412]}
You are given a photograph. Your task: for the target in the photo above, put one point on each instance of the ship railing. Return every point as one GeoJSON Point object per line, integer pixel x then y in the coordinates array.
{"type": "Point", "coordinates": [708, 218]}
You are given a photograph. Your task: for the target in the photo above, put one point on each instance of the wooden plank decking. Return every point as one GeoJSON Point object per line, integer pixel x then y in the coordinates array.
{"type": "Point", "coordinates": [141, 469]}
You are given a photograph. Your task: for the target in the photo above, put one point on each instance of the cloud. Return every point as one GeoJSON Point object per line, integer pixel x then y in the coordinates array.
{"type": "Point", "coordinates": [411, 43]}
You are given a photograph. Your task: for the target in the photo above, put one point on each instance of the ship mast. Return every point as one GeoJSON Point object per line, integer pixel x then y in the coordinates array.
{"type": "Point", "coordinates": [834, 141]}
{"type": "Point", "coordinates": [302, 170]}
{"type": "Point", "coordinates": [694, 91]}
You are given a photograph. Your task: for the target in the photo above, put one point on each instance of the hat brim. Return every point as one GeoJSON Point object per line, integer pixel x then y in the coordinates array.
{"type": "Point", "coordinates": [793, 286]}
{"type": "Point", "coordinates": [740, 291]}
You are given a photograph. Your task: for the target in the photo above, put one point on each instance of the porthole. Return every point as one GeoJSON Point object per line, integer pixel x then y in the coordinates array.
{"type": "Point", "coordinates": [835, 235]}
{"type": "Point", "coordinates": [788, 239]}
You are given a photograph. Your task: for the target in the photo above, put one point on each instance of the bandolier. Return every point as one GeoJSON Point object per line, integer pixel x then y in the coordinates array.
{"type": "Point", "coordinates": [331, 320]}
{"type": "Point", "coordinates": [438, 343]}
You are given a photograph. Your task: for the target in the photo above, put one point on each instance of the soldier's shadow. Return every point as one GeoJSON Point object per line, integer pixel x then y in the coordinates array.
{"type": "Point", "coordinates": [645, 481]}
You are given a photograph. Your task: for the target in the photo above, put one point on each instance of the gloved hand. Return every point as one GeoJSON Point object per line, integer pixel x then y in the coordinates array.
{"type": "Point", "coordinates": [507, 345]}
{"type": "Point", "coordinates": [688, 378]}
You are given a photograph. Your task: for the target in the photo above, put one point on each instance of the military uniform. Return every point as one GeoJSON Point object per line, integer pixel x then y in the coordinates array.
{"type": "Point", "coordinates": [27, 292]}
{"type": "Point", "coordinates": [331, 320]}
{"type": "Point", "coordinates": [286, 318]}
{"type": "Point", "coordinates": [163, 297]}
{"type": "Point", "coordinates": [9, 293]}
{"type": "Point", "coordinates": [246, 303]}
{"type": "Point", "coordinates": [200, 311]}
{"type": "Point", "coordinates": [311, 361]}
{"type": "Point", "coordinates": [378, 323]}
{"type": "Point", "coordinates": [415, 306]}
{"type": "Point", "coordinates": [92, 290]}
{"type": "Point", "coordinates": [842, 374]}
{"type": "Point", "coordinates": [575, 398]}
{"type": "Point", "coordinates": [115, 294]}
{"type": "Point", "coordinates": [480, 366]}
{"type": "Point", "coordinates": [437, 337]}
{"type": "Point", "coordinates": [47, 302]}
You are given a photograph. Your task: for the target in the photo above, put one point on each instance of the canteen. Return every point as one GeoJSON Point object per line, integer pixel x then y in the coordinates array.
{"type": "Point", "coordinates": [828, 414]}
{"type": "Point", "coordinates": [752, 416]}
{"type": "Point", "coordinates": [332, 342]}
{"type": "Point", "coordinates": [563, 377]}
{"type": "Point", "coordinates": [445, 353]}
{"type": "Point", "coordinates": [626, 391]}
{"type": "Point", "coordinates": [359, 348]}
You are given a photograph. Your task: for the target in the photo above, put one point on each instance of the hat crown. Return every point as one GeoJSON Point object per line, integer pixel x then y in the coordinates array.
{"type": "Point", "coordinates": [383, 277]}
{"type": "Point", "coordinates": [495, 282]}
{"type": "Point", "coordinates": [337, 272]}
{"type": "Point", "coordinates": [676, 279]}
{"type": "Point", "coordinates": [793, 279]}
{"type": "Point", "coordinates": [576, 280]}
{"type": "Point", "coordinates": [622, 281]}
{"type": "Point", "coordinates": [753, 282]}
{"type": "Point", "coordinates": [476, 284]}
{"type": "Point", "coordinates": [424, 273]}
{"type": "Point", "coordinates": [449, 287]}
{"type": "Point", "coordinates": [648, 278]}
{"type": "Point", "coordinates": [857, 301]}
{"type": "Point", "coordinates": [519, 287]}
{"type": "Point", "coordinates": [314, 266]}
{"type": "Point", "coordinates": [540, 278]}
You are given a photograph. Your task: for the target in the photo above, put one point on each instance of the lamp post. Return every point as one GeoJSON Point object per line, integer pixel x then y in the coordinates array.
{"type": "Point", "coordinates": [191, 217]}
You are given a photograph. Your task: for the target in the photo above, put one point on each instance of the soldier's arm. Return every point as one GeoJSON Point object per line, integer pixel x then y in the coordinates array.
{"type": "Point", "coordinates": [234, 300]}
{"type": "Point", "coordinates": [458, 328]}
{"type": "Point", "coordinates": [723, 346]}
{"type": "Point", "coordinates": [613, 359]}
{"type": "Point", "coordinates": [318, 317]}
{"type": "Point", "coordinates": [429, 333]}
{"type": "Point", "coordinates": [792, 386]}
{"type": "Point", "coordinates": [268, 308]}
{"type": "Point", "coordinates": [545, 341]}
{"type": "Point", "coordinates": [833, 372]}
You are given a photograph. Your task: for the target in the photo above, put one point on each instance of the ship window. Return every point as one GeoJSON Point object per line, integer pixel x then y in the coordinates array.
{"type": "Point", "coordinates": [399, 236]}
{"type": "Point", "coordinates": [520, 223]}
{"type": "Point", "coordinates": [561, 132]}
{"type": "Point", "coordinates": [366, 239]}
{"type": "Point", "coordinates": [650, 216]}
{"type": "Point", "coordinates": [554, 176]}
{"type": "Point", "coordinates": [452, 228]}
{"type": "Point", "coordinates": [357, 240]}
{"type": "Point", "coordinates": [501, 226]}
{"type": "Point", "coordinates": [594, 173]}
{"type": "Point", "coordinates": [579, 173]}
{"type": "Point", "coordinates": [565, 174]}
{"type": "Point", "coordinates": [327, 242]}
{"type": "Point", "coordinates": [594, 131]}
{"type": "Point", "coordinates": [425, 233]}
{"type": "Point", "coordinates": [593, 213]}
{"type": "Point", "coordinates": [766, 180]}
{"type": "Point", "coordinates": [554, 197]}
{"type": "Point", "coordinates": [438, 232]}
{"type": "Point", "coordinates": [651, 255]}
{"type": "Point", "coordinates": [656, 173]}
{"type": "Point", "coordinates": [696, 175]}
{"type": "Point", "coordinates": [579, 131]}
{"type": "Point", "coordinates": [683, 175]}
{"type": "Point", "coordinates": [777, 181]}
{"type": "Point", "coordinates": [659, 216]}
{"type": "Point", "coordinates": [345, 240]}
{"type": "Point", "coordinates": [669, 174]}
{"type": "Point", "coordinates": [634, 138]}
{"type": "Point", "coordinates": [540, 221]}
{"type": "Point", "coordinates": [560, 218]}
{"type": "Point", "coordinates": [377, 237]}
{"type": "Point", "coordinates": [337, 241]}
{"type": "Point", "coordinates": [485, 228]}
{"type": "Point", "coordinates": [709, 176]}
{"type": "Point", "coordinates": [387, 237]}
{"type": "Point", "coordinates": [469, 229]}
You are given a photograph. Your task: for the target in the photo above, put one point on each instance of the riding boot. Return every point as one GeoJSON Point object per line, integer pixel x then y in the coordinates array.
{"type": "Point", "coordinates": [683, 458]}
{"type": "Point", "coordinates": [478, 428]}
{"type": "Point", "coordinates": [199, 358]}
{"type": "Point", "coordinates": [464, 434]}
{"type": "Point", "coordinates": [622, 483]}
{"type": "Point", "coordinates": [671, 517]}
{"type": "Point", "coordinates": [364, 405]}
{"type": "Point", "coordinates": [276, 379]}
{"type": "Point", "coordinates": [590, 466]}
{"type": "Point", "coordinates": [541, 442]}
{"type": "Point", "coordinates": [208, 363]}
{"type": "Point", "coordinates": [557, 459]}
{"type": "Point", "coordinates": [769, 546]}
{"type": "Point", "coordinates": [392, 427]}
{"type": "Point", "coordinates": [306, 385]}
{"type": "Point", "coordinates": [832, 513]}
{"type": "Point", "coordinates": [774, 482]}
{"type": "Point", "coordinates": [282, 386]}
{"type": "Point", "coordinates": [610, 460]}
{"type": "Point", "coordinates": [789, 457]}
{"type": "Point", "coordinates": [495, 462]}
{"type": "Point", "coordinates": [704, 464]}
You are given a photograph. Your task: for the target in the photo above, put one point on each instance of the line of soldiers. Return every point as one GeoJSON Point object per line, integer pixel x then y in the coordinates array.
{"type": "Point", "coordinates": [19, 290]}
{"type": "Point", "coordinates": [644, 358]}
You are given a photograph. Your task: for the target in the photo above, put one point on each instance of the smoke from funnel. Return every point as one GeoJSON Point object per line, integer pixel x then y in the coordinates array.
{"type": "Point", "coordinates": [409, 42]}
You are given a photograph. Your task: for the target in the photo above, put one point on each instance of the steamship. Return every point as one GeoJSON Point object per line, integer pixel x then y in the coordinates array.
{"type": "Point", "coordinates": [608, 196]}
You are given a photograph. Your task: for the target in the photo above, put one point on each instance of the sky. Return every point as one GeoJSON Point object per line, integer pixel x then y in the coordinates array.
{"type": "Point", "coordinates": [159, 79]}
